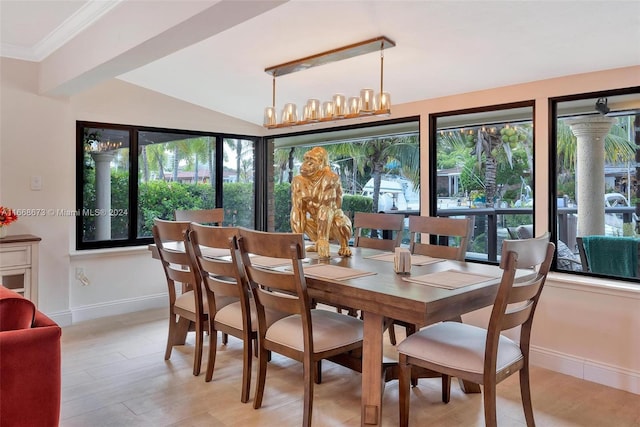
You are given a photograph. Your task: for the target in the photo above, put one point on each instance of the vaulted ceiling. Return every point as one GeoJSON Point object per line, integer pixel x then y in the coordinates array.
{"type": "Point", "coordinates": [213, 53]}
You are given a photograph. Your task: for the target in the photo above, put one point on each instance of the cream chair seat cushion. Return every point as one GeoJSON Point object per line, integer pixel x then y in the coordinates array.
{"type": "Point", "coordinates": [187, 301]}
{"type": "Point", "coordinates": [330, 330]}
{"type": "Point", "coordinates": [457, 346]}
{"type": "Point", "coordinates": [231, 315]}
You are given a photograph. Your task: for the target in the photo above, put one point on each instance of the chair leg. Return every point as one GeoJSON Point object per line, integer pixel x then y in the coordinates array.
{"type": "Point", "coordinates": [197, 356]}
{"type": "Point", "coordinates": [404, 382]}
{"type": "Point", "coordinates": [309, 375]}
{"type": "Point", "coordinates": [489, 396]}
{"type": "Point", "coordinates": [262, 375]}
{"type": "Point", "coordinates": [392, 332]}
{"type": "Point", "coordinates": [525, 392]}
{"type": "Point", "coordinates": [446, 388]}
{"type": "Point", "coordinates": [225, 339]}
{"type": "Point", "coordinates": [170, 336]}
{"type": "Point", "coordinates": [317, 375]}
{"type": "Point", "coordinates": [246, 368]}
{"type": "Point", "coordinates": [213, 349]}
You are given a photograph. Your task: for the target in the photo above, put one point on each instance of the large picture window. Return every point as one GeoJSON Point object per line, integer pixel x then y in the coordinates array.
{"type": "Point", "coordinates": [596, 182]}
{"type": "Point", "coordinates": [129, 175]}
{"type": "Point", "coordinates": [378, 168]}
{"type": "Point", "coordinates": [482, 168]}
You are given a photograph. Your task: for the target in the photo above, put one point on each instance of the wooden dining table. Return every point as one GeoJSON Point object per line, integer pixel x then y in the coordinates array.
{"type": "Point", "coordinates": [386, 294]}
{"type": "Point", "coordinates": [381, 293]}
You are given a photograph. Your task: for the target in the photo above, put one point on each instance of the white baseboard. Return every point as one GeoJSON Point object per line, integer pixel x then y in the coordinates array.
{"type": "Point", "coordinates": [114, 308]}
{"type": "Point", "coordinates": [62, 318]}
{"type": "Point", "coordinates": [589, 370]}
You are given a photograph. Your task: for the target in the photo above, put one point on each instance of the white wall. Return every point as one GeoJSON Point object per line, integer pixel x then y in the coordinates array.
{"type": "Point", "coordinates": [583, 327]}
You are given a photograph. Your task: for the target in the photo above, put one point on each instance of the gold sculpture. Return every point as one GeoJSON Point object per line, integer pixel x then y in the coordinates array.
{"type": "Point", "coordinates": [316, 205]}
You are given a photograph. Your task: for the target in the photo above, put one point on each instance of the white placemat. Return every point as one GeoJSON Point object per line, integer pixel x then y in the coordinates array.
{"type": "Point", "coordinates": [449, 279]}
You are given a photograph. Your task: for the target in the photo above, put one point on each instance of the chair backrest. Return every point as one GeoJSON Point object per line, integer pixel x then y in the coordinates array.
{"type": "Point", "coordinates": [516, 302]}
{"type": "Point", "coordinates": [169, 238]}
{"type": "Point", "coordinates": [378, 221]}
{"type": "Point", "coordinates": [202, 216]}
{"type": "Point", "coordinates": [440, 229]}
{"type": "Point", "coordinates": [220, 276]}
{"type": "Point", "coordinates": [280, 290]}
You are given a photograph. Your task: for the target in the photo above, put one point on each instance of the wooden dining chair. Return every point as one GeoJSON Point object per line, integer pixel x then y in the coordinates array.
{"type": "Point", "coordinates": [305, 334]}
{"type": "Point", "coordinates": [382, 222]}
{"type": "Point", "coordinates": [441, 229]}
{"type": "Point", "coordinates": [202, 216]}
{"type": "Point", "coordinates": [484, 355]}
{"type": "Point", "coordinates": [186, 309]}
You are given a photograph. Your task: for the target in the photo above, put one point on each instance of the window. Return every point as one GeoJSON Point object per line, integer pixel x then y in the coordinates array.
{"type": "Point", "coordinates": [378, 167]}
{"type": "Point", "coordinates": [595, 177]}
{"type": "Point", "coordinates": [482, 168]}
{"type": "Point", "coordinates": [174, 169]}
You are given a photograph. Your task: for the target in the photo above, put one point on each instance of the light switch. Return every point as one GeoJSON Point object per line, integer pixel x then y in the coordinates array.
{"type": "Point", "coordinates": [36, 183]}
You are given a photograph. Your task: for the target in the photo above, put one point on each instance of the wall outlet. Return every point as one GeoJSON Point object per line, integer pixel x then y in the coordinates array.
{"type": "Point", "coordinates": [80, 276]}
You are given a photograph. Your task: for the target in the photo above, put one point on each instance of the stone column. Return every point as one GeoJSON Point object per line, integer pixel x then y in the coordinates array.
{"type": "Point", "coordinates": [103, 194]}
{"type": "Point", "coordinates": [590, 132]}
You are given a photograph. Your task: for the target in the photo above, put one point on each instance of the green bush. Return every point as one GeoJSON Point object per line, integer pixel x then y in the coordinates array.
{"type": "Point", "coordinates": [282, 207]}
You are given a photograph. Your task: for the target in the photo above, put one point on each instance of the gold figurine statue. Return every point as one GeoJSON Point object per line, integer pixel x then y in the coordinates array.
{"type": "Point", "coordinates": [316, 205]}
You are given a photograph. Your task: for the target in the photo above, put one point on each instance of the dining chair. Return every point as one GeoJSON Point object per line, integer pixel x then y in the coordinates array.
{"type": "Point", "coordinates": [380, 222]}
{"type": "Point", "coordinates": [186, 309]}
{"type": "Point", "coordinates": [484, 355]}
{"type": "Point", "coordinates": [305, 334]}
{"type": "Point", "coordinates": [202, 216]}
{"type": "Point", "coordinates": [441, 230]}
{"type": "Point", "coordinates": [230, 304]}
{"type": "Point", "coordinates": [226, 298]}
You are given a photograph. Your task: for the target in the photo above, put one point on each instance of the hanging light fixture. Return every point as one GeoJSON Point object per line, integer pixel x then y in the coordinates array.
{"type": "Point", "coordinates": [339, 107]}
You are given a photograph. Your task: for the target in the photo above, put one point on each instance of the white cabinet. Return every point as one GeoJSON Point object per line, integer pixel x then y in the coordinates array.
{"type": "Point", "coordinates": [19, 264]}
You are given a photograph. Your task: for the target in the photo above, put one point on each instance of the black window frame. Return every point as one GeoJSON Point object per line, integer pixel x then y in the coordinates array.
{"type": "Point", "coordinates": [132, 239]}
{"type": "Point", "coordinates": [433, 169]}
{"type": "Point", "coordinates": [553, 165]}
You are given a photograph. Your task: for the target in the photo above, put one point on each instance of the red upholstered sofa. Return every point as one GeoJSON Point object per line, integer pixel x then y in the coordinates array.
{"type": "Point", "coordinates": [29, 364]}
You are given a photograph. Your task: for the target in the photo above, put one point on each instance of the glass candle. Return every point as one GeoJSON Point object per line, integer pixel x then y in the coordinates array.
{"type": "Point", "coordinates": [366, 101]}
{"type": "Point", "coordinates": [339, 105]}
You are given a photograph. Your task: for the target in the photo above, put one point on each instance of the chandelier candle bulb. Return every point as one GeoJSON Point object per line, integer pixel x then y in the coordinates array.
{"type": "Point", "coordinates": [383, 101]}
{"type": "Point", "coordinates": [328, 110]}
{"type": "Point", "coordinates": [366, 101]}
{"type": "Point", "coordinates": [270, 118]}
{"type": "Point", "coordinates": [313, 106]}
{"type": "Point", "coordinates": [354, 106]}
{"type": "Point", "coordinates": [339, 105]}
{"type": "Point", "coordinates": [290, 114]}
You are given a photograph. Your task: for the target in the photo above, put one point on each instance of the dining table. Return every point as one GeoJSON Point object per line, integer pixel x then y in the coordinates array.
{"type": "Point", "coordinates": [433, 290]}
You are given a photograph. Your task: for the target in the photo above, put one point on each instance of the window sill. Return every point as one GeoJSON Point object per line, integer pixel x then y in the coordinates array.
{"type": "Point", "coordinates": [595, 285]}
{"type": "Point", "coordinates": [114, 252]}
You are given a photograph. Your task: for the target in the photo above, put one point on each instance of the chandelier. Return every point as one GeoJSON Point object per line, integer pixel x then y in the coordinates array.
{"type": "Point", "coordinates": [339, 107]}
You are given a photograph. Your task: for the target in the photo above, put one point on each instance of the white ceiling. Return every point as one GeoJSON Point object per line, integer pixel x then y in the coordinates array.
{"type": "Point", "coordinates": [213, 53]}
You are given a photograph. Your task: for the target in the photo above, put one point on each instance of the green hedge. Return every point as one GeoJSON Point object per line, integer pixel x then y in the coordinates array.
{"type": "Point", "coordinates": [159, 199]}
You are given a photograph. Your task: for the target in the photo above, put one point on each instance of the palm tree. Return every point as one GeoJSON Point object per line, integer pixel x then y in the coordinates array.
{"type": "Point", "coordinates": [376, 153]}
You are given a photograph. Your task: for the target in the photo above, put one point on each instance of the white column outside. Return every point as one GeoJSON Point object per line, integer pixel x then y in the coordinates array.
{"type": "Point", "coordinates": [590, 132]}
{"type": "Point", "coordinates": [103, 193]}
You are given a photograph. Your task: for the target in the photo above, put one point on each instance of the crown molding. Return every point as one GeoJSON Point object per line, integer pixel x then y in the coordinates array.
{"type": "Point", "coordinates": [71, 27]}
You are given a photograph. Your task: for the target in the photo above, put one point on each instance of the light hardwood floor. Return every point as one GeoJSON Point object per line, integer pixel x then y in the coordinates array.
{"type": "Point", "coordinates": [114, 374]}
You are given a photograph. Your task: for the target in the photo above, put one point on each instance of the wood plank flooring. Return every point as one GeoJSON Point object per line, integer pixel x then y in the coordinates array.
{"type": "Point", "coordinates": [114, 374]}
